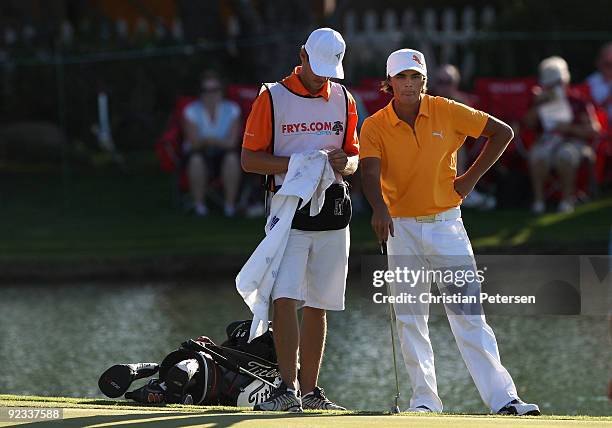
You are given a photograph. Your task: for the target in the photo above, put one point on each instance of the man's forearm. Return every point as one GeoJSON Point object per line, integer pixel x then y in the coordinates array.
{"type": "Point", "coordinates": [491, 152]}
{"type": "Point", "coordinates": [370, 185]}
{"type": "Point", "coordinates": [260, 162]}
{"type": "Point", "coordinates": [374, 197]}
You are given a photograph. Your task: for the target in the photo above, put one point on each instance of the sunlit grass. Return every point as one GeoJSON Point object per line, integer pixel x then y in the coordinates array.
{"type": "Point", "coordinates": [88, 412]}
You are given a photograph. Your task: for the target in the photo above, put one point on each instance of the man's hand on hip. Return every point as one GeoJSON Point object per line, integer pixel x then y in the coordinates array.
{"type": "Point", "coordinates": [464, 185]}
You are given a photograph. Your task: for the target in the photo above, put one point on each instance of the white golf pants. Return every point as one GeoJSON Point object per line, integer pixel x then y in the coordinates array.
{"type": "Point", "coordinates": [438, 245]}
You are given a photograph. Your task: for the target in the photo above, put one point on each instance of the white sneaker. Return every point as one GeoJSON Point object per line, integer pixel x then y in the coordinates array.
{"type": "Point", "coordinates": [200, 210]}
{"type": "Point", "coordinates": [281, 400]}
{"type": "Point", "coordinates": [518, 407]}
{"type": "Point", "coordinates": [490, 203]}
{"type": "Point", "coordinates": [538, 207]}
{"type": "Point", "coordinates": [255, 210]}
{"type": "Point", "coordinates": [316, 400]}
{"type": "Point", "coordinates": [566, 206]}
{"type": "Point", "coordinates": [229, 211]}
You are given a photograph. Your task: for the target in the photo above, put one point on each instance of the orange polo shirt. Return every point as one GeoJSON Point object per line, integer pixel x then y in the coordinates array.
{"type": "Point", "coordinates": [258, 130]}
{"type": "Point", "coordinates": [419, 166]}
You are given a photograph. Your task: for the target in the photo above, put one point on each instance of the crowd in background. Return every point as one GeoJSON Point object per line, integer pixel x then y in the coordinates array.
{"type": "Point", "coordinates": [562, 145]}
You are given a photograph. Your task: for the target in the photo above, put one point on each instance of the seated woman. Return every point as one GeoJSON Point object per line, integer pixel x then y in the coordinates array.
{"type": "Point", "coordinates": [212, 128]}
{"type": "Point", "coordinates": [567, 123]}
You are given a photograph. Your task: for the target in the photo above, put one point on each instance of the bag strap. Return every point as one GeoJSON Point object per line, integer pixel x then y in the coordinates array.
{"type": "Point", "coordinates": [269, 183]}
{"type": "Point", "coordinates": [346, 115]}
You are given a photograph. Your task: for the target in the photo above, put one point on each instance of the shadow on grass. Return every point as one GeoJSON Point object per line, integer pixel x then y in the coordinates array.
{"type": "Point", "coordinates": [175, 419]}
{"type": "Point", "coordinates": [181, 409]}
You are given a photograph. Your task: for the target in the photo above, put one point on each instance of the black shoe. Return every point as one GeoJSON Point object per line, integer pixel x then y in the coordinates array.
{"type": "Point", "coordinates": [115, 381]}
{"type": "Point", "coordinates": [519, 408]}
{"type": "Point", "coordinates": [316, 400]}
{"type": "Point", "coordinates": [281, 400]}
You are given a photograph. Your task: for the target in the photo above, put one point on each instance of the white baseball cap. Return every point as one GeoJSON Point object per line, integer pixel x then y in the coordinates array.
{"type": "Point", "coordinates": [406, 59]}
{"type": "Point", "coordinates": [325, 48]}
{"type": "Point", "coordinates": [553, 71]}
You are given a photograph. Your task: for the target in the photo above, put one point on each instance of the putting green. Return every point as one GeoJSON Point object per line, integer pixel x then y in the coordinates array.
{"type": "Point", "coordinates": [106, 413]}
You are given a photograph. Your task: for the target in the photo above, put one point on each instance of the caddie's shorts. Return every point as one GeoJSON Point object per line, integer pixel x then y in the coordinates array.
{"type": "Point", "coordinates": [313, 269]}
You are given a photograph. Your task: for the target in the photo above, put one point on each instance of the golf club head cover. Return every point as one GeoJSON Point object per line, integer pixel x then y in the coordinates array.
{"type": "Point", "coordinates": [179, 378]}
{"type": "Point", "coordinates": [262, 346]}
{"type": "Point", "coordinates": [202, 385]}
{"type": "Point", "coordinates": [116, 380]}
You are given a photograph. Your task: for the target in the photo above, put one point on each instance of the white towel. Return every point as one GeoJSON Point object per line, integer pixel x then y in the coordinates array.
{"type": "Point", "coordinates": [308, 176]}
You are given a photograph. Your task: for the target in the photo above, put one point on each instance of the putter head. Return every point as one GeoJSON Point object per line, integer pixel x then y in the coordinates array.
{"type": "Point", "coordinates": [395, 409]}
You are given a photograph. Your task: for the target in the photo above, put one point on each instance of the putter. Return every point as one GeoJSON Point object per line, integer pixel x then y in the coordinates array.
{"type": "Point", "coordinates": [394, 409]}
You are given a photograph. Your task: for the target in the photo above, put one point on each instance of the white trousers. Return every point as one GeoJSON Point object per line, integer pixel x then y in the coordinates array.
{"type": "Point", "coordinates": [435, 246]}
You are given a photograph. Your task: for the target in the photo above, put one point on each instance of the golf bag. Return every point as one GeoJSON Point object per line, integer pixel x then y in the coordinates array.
{"type": "Point", "coordinates": [236, 373]}
{"type": "Point", "coordinates": [257, 357]}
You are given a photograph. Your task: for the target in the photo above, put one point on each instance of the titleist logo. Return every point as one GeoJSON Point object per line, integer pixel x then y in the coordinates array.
{"type": "Point", "coordinates": [259, 394]}
{"type": "Point", "coordinates": [262, 370]}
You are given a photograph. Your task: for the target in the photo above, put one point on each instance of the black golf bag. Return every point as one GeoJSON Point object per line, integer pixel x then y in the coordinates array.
{"type": "Point", "coordinates": [236, 373]}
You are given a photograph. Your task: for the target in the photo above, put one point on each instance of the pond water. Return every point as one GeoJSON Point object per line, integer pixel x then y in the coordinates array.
{"type": "Point", "coordinates": [57, 339]}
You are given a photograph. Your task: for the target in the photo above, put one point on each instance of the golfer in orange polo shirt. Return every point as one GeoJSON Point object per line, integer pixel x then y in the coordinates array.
{"type": "Point", "coordinates": [408, 162]}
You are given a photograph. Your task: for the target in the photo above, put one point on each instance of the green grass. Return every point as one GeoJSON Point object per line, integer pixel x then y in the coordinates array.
{"type": "Point", "coordinates": [107, 216]}
{"type": "Point", "coordinates": [586, 228]}
{"type": "Point", "coordinates": [80, 412]}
